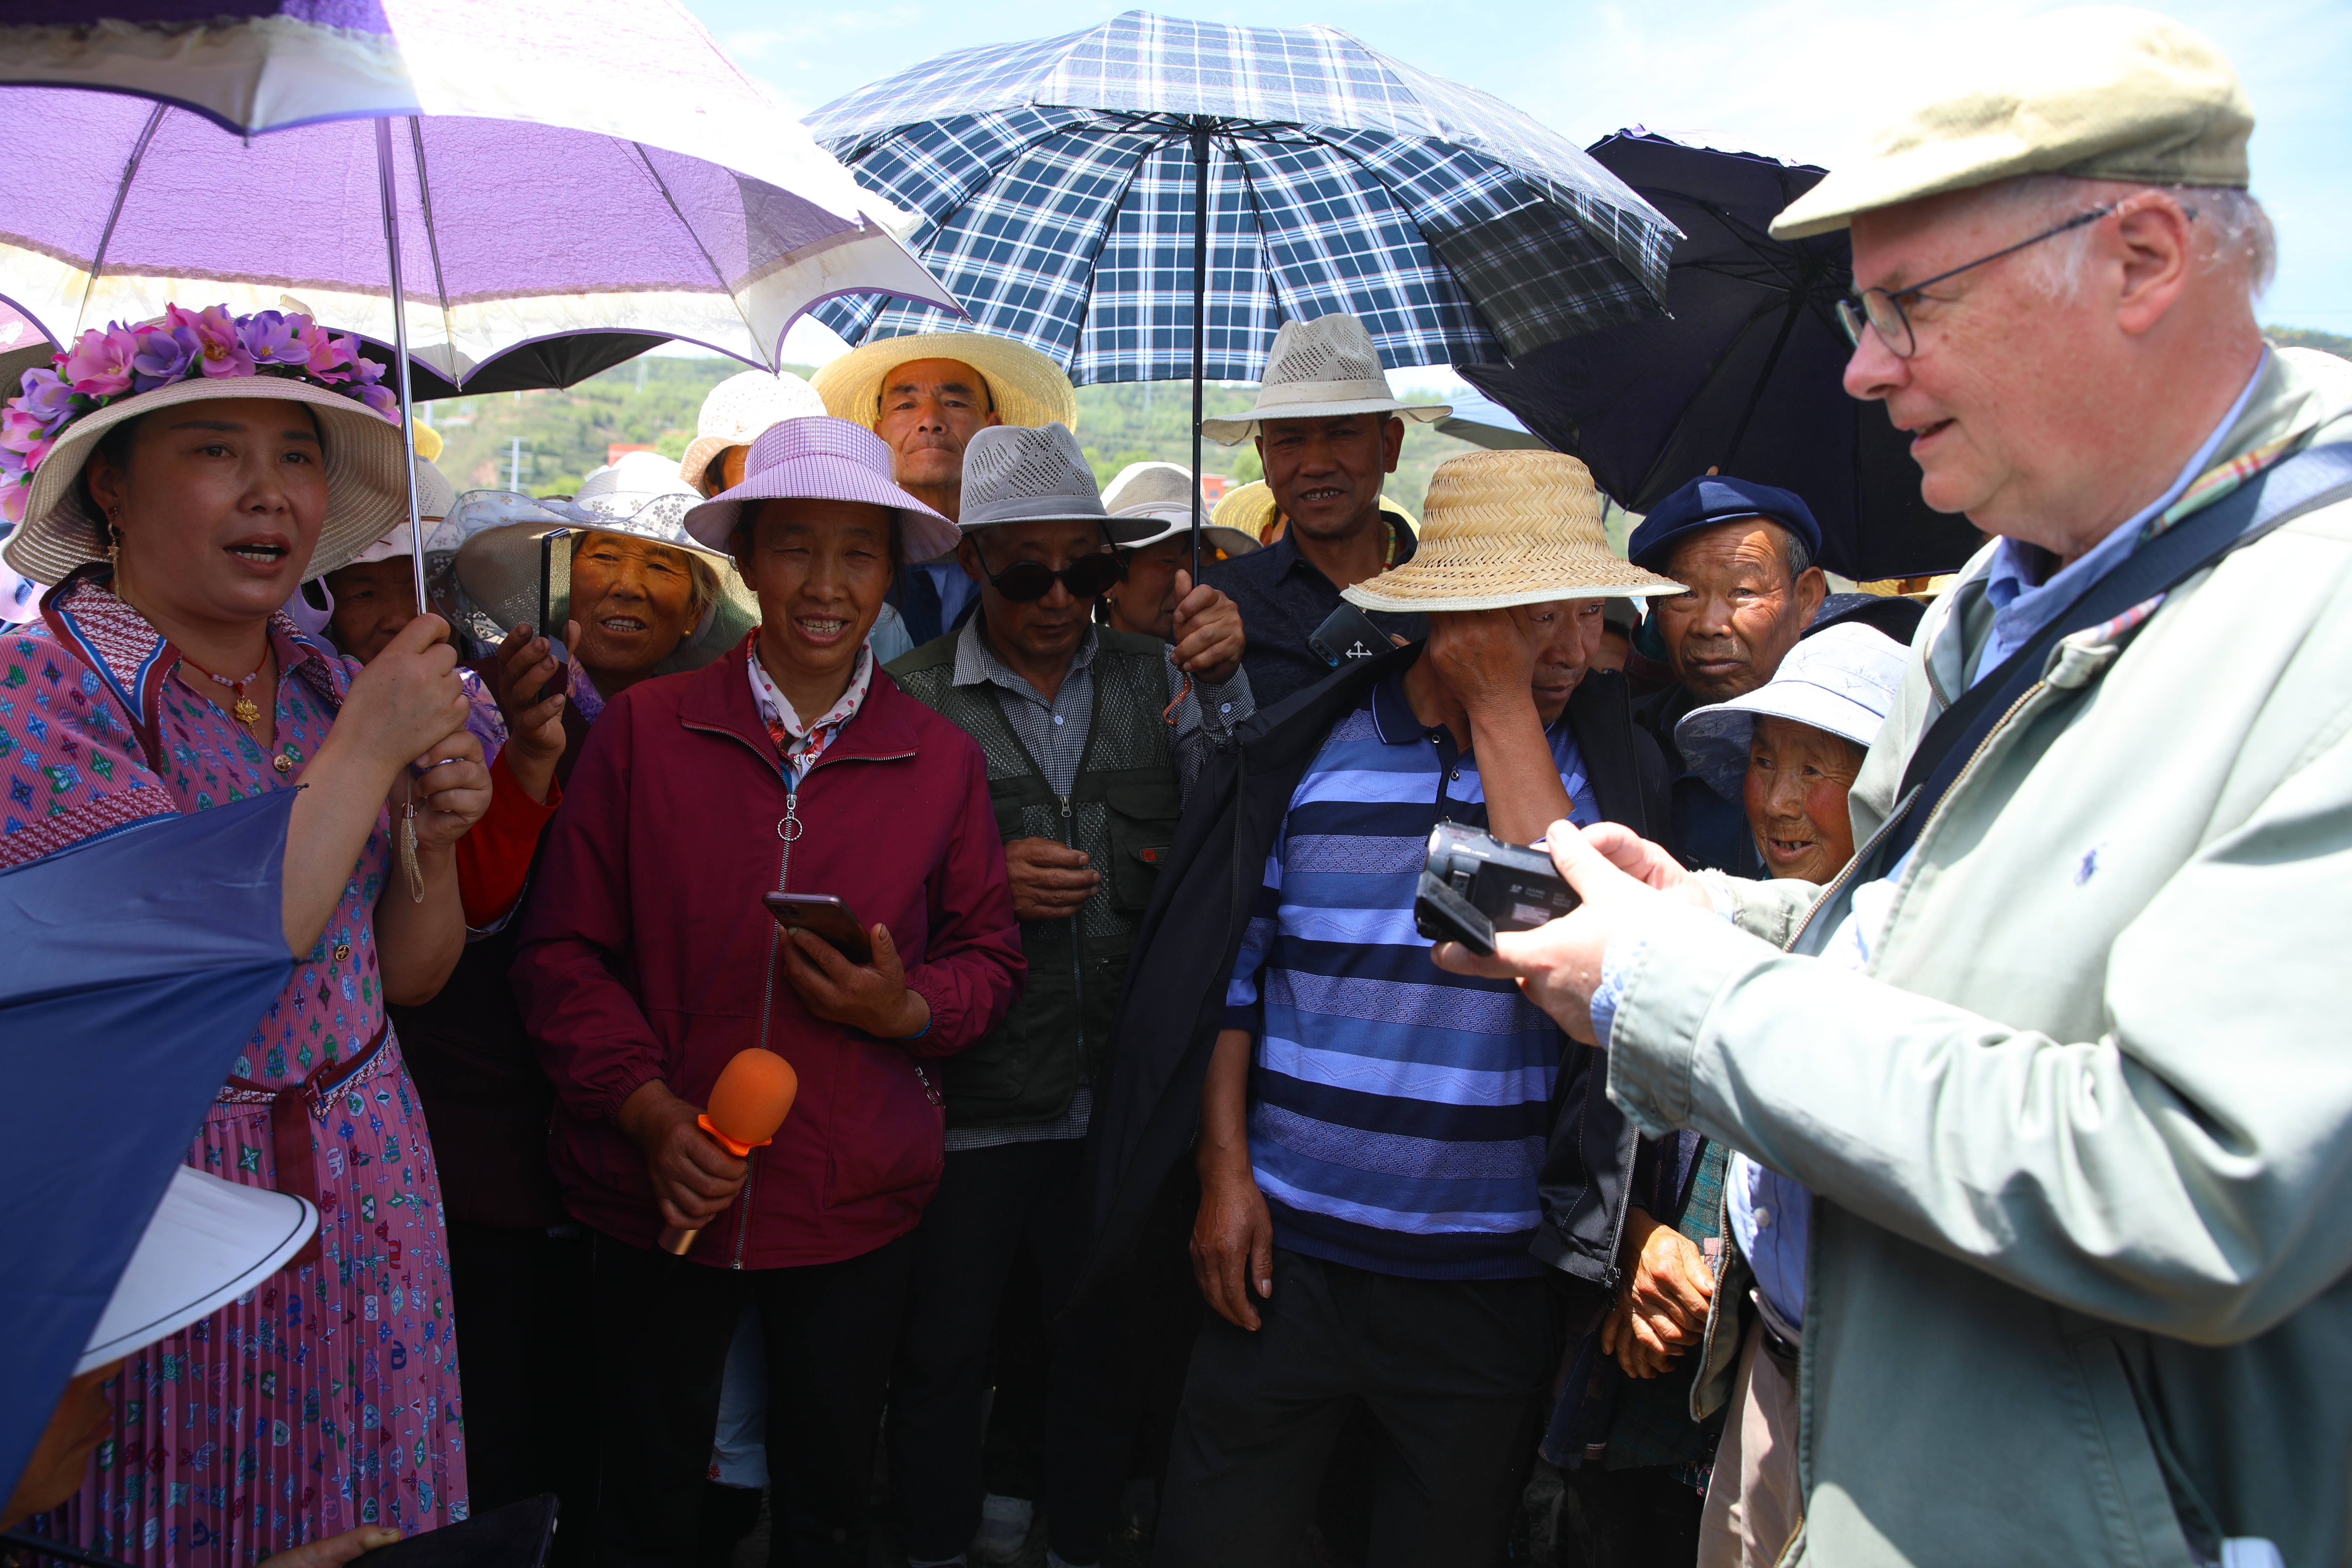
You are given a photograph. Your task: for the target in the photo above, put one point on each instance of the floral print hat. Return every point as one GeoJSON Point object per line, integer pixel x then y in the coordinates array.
{"type": "Point", "coordinates": [47, 433]}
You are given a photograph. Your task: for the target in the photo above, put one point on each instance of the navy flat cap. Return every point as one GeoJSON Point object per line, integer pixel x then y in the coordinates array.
{"type": "Point", "coordinates": [1718, 498]}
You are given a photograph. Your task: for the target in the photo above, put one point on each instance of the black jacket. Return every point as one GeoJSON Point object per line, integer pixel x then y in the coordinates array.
{"type": "Point", "coordinates": [1148, 1109]}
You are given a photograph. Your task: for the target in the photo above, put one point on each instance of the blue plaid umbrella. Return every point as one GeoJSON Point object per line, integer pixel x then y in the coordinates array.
{"type": "Point", "coordinates": [1058, 182]}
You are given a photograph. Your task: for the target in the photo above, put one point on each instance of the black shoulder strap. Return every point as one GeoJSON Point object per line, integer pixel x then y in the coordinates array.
{"type": "Point", "coordinates": [2316, 477]}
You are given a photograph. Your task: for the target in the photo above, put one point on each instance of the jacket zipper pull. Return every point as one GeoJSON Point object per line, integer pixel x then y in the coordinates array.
{"type": "Point", "coordinates": [931, 1091]}
{"type": "Point", "coordinates": [789, 829]}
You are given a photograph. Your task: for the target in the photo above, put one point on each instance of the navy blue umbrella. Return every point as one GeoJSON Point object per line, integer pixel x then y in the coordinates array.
{"type": "Point", "coordinates": [133, 968]}
{"type": "Point", "coordinates": [1743, 376]}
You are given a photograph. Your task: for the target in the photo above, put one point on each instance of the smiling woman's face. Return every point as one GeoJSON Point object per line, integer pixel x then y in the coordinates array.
{"type": "Point", "coordinates": [635, 602]}
{"type": "Point", "coordinates": [1797, 782]}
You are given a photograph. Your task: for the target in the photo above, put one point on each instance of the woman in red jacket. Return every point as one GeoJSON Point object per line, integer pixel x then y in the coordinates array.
{"type": "Point", "coordinates": [647, 960]}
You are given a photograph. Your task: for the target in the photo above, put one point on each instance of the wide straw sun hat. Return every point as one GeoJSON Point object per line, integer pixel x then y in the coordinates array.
{"type": "Point", "coordinates": [1025, 387]}
{"type": "Point", "coordinates": [739, 411]}
{"type": "Point", "coordinates": [1506, 528]}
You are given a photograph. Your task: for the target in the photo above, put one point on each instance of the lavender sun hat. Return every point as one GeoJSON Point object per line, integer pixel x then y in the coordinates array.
{"type": "Point", "coordinates": [822, 458]}
{"type": "Point", "coordinates": [1841, 681]}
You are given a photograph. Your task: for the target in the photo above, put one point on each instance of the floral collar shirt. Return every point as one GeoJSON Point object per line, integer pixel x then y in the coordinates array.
{"type": "Point", "coordinates": [800, 745]}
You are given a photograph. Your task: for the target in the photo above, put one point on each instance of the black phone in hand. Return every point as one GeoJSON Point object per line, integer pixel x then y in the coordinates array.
{"type": "Point", "coordinates": [1347, 635]}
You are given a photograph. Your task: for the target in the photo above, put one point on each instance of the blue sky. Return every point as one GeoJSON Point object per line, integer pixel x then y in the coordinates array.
{"type": "Point", "coordinates": [1794, 78]}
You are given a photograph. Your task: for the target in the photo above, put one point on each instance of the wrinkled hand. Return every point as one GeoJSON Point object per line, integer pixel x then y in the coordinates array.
{"type": "Point", "coordinates": [1558, 964]}
{"type": "Point", "coordinates": [1050, 880]}
{"type": "Point", "coordinates": [1208, 632]}
{"type": "Point", "coordinates": [1487, 658]}
{"type": "Point", "coordinates": [693, 1178]}
{"type": "Point", "coordinates": [1662, 1310]}
{"type": "Point", "coordinates": [529, 684]}
{"type": "Point", "coordinates": [335, 1550]}
{"type": "Point", "coordinates": [873, 997]}
{"type": "Point", "coordinates": [406, 699]}
{"type": "Point", "coordinates": [451, 794]}
{"type": "Point", "coordinates": [1233, 1246]}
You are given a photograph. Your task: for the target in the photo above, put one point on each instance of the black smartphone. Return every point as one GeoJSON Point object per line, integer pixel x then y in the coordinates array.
{"type": "Point", "coordinates": [826, 916]}
{"type": "Point", "coordinates": [1347, 632]}
{"type": "Point", "coordinates": [555, 583]}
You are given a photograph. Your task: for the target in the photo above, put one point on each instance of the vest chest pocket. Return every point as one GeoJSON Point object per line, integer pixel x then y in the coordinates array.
{"type": "Point", "coordinates": [1141, 820]}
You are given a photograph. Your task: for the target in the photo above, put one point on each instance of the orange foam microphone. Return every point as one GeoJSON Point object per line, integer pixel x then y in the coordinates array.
{"type": "Point", "coordinates": [750, 1101]}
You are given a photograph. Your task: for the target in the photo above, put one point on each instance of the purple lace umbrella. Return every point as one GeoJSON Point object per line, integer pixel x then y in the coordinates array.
{"type": "Point", "coordinates": [457, 178]}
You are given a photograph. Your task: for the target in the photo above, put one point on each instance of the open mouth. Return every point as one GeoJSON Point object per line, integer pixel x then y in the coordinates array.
{"type": "Point", "coordinates": [1788, 848]}
{"type": "Point", "coordinates": [1320, 495]}
{"type": "Point", "coordinates": [623, 624]}
{"type": "Point", "coordinates": [820, 630]}
{"type": "Point", "coordinates": [1926, 432]}
{"type": "Point", "coordinates": [260, 553]}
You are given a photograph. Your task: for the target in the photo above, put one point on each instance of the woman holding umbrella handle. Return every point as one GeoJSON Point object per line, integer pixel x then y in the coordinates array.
{"type": "Point", "coordinates": [177, 479]}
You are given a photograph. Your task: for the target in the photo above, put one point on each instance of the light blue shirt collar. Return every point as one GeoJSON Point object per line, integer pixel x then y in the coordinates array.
{"type": "Point", "coordinates": [2023, 601]}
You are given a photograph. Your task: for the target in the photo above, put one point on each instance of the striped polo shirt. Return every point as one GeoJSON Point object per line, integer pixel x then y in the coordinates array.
{"type": "Point", "coordinates": [1399, 1113]}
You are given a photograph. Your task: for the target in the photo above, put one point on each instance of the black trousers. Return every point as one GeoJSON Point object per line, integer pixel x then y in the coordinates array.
{"type": "Point", "coordinates": [521, 1311]}
{"type": "Point", "coordinates": [1450, 1369]}
{"type": "Point", "coordinates": [992, 1204]}
{"type": "Point", "coordinates": [663, 1325]}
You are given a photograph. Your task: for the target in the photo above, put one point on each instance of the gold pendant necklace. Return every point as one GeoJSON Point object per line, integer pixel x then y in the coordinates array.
{"type": "Point", "coordinates": [247, 710]}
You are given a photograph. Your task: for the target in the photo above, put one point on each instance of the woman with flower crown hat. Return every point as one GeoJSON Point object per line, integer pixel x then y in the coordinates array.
{"type": "Point", "coordinates": [176, 480]}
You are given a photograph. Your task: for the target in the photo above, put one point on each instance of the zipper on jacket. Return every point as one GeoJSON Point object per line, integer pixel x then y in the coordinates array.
{"type": "Point", "coordinates": [1077, 960]}
{"type": "Point", "coordinates": [789, 830]}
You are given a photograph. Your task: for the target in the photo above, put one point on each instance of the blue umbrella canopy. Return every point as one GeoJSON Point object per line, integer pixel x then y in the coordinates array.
{"type": "Point", "coordinates": [1058, 179]}
{"type": "Point", "coordinates": [136, 965]}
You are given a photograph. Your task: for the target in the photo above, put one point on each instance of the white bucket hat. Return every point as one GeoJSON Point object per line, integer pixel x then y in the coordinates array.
{"type": "Point", "coordinates": [1322, 369]}
{"type": "Point", "coordinates": [1842, 679]}
{"type": "Point", "coordinates": [623, 487]}
{"type": "Point", "coordinates": [1161, 494]}
{"type": "Point", "coordinates": [210, 1241]}
{"type": "Point", "coordinates": [739, 410]}
{"type": "Point", "coordinates": [1015, 474]}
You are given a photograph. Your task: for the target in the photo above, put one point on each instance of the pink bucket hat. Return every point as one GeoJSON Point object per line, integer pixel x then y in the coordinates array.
{"type": "Point", "coordinates": [822, 458]}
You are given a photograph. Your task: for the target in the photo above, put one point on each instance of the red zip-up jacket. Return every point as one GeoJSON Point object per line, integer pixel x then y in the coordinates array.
{"type": "Point", "coordinates": [646, 953]}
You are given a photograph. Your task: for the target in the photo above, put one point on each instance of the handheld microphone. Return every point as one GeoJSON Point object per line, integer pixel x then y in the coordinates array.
{"type": "Point", "coordinates": [750, 1101]}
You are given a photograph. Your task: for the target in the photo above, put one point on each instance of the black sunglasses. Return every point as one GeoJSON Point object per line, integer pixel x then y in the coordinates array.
{"type": "Point", "coordinates": [1026, 581]}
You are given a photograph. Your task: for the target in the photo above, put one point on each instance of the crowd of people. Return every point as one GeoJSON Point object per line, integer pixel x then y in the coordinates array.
{"type": "Point", "coordinates": [1919, 1145]}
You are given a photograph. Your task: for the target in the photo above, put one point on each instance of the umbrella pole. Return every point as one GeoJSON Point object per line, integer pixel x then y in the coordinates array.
{"type": "Point", "coordinates": [390, 196]}
{"type": "Point", "coordinates": [1199, 315]}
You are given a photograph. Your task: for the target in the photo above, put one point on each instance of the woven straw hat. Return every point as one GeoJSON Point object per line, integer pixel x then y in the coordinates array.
{"type": "Point", "coordinates": [1504, 527]}
{"type": "Point", "coordinates": [739, 410]}
{"type": "Point", "coordinates": [367, 479]}
{"type": "Point", "coordinates": [1013, 474]}
{"type": "Point", "coordinates": [1027, 388]}
{"type": "Point", "coordinates": [1322, 369]}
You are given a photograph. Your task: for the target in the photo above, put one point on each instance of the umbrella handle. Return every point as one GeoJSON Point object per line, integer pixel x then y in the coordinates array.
{"type": "Point", "coordinates": [388, 193]}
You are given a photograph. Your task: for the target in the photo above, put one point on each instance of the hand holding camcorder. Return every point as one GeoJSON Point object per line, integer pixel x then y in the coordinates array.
{"type": "Point", "coordinates": [1473, 885]}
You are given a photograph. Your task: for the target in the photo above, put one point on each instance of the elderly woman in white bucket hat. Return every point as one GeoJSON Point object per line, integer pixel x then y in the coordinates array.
{"type": "Point", "coordinates": [177, 480]}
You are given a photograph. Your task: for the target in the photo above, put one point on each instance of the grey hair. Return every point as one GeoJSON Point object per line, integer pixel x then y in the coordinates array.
{"type": "Point", "coordinates": [1795, 552]}
{"type": "Point", "coordinates": [2237, 232]}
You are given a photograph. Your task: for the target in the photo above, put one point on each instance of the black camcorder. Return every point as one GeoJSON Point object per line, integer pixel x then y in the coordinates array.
{"type": "Point", "coordinates": [1473, 885]}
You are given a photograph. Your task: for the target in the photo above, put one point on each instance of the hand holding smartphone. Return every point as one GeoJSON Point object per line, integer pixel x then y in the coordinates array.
{"type": "Point", "coordinates": [824, 916]}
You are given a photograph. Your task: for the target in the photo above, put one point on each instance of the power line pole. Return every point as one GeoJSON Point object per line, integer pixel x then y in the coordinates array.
{"type": "Point", "coordinates": [514, 465]}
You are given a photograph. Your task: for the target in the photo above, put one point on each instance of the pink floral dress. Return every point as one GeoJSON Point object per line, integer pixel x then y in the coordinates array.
{"type": "Point", "coordinates": [328, 1398]}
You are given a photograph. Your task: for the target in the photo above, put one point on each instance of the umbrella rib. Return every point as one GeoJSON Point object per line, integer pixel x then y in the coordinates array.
{"type": "Point", "coordinates": [114, 212]}
{"type": "Point", "coordinates": [717, 276]}
{"type": "Point", "coordinates": [433, 245]}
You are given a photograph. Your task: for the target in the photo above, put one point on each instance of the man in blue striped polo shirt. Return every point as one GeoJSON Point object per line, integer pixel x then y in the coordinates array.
{"type": "Point", "coordinates": [1374, 1130]}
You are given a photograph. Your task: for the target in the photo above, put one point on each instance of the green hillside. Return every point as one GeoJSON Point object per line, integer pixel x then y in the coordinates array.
{"type": "Point", "coordinates": [2306, 338]}
{"type": "Point", "coordinates": [653, 401]}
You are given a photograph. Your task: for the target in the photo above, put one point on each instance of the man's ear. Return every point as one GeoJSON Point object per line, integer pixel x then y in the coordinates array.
{"type": "Point", "coordinates": [1813, 587]}
{"type": "Point", "coordinates": [2155, 246]}
{"type": "Point", "coordinates": [967, 557]}
{"type": "Point", "coordinates": [1392, 442]}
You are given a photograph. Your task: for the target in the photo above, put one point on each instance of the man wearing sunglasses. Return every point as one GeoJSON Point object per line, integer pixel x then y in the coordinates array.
{"type": "Point", "coordinates": [2047, 1091]}
{"type": "Point", "coordinates": [1093, 738]}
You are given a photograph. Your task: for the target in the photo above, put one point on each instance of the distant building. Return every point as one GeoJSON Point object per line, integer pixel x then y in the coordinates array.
{"type": "Point", "coordinates": [614, 453]}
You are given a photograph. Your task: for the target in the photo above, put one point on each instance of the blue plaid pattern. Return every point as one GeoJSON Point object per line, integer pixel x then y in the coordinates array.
{"type": "Point", "coordinates": [1056, 182]}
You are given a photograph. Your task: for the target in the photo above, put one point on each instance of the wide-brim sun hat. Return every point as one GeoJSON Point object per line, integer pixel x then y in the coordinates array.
{"type": "Point", "coordinates": [1014, 473]}
{"type": "Point", "coordinates": [1840, 680]}
{"type": "Point", "coordinates": [1505, 528]}
{"type": "Point", "coordinates": [1322, 369]}
{"type": "Point", "coordinates": [741, 409]}
{"type": "Point", "coordinates": [1163, 494]}
{"type": "Point", "coordinates": [821, 458]}
{"type": "Point", "coordinates": [1250, 508]}
{"type": "Point", "coordinates": [498, 563]}
{"type": "Point", "coordinates": [366, 473]}
{"type": "Point", "coordinates": [624, 486]}
{"type": "Point", "coordinates": [209, 1242]}
{"type": "Point", "coordinates": [1173, 522]}
{"type": "Point", "coordinates": [1024, 386]}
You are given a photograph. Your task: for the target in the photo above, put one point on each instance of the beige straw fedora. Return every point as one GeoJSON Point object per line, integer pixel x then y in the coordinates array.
{"type": "Point", "coordinates": [367, 476]}
{"type": "Point", "coordinates": [1505, 528]}
{"type": "Point", "coordinates": [1027, 388]}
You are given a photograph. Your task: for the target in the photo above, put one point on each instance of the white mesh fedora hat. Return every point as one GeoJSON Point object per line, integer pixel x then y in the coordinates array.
{"type": "Point", "coordinates": [1322, 369]}
{"type": "Point", "coordinates": [1504, 527]}
{"type": "Point", "coordinates": [1161, 493]}
{"type": "Point", "coordinates": [739, 411]}
{"type": "Point", "coordinates": [1015, 474]}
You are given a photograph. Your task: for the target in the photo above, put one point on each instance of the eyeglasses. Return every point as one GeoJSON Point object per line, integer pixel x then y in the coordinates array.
{"type": "Point", "coordinates": [1026, 581]}
{"type": "Point", "coordinates": [1884, 312]}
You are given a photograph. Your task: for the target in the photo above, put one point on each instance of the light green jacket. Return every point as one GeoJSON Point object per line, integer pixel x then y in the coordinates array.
{"type": "Point", "coordinates": [2081, 1134]}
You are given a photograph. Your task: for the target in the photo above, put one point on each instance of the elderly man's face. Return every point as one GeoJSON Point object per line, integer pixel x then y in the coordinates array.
{"type": "Point", "coordinates": [1798, 777]}
{"type": "Point", "coordinates": [1325, 473]}
{"type": "Point", "coordinates": [930, 410]}
{"type": "Point", "coordinates": [1046, 630]}
{"type": "Point", "coordinates": [1742, 611]}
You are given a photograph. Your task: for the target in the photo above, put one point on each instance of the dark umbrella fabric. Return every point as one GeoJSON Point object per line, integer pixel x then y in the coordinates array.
{"type": "Point", "coordinates": [1745, 376]}
{"type": "Point", "coordinates": [133, 968]}
{"type": "Point", "coordinates": [1057, 183]}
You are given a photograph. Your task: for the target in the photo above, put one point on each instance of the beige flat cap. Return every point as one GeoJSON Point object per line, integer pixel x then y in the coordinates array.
{"type": "Point", "coordinates": [2098, 92]}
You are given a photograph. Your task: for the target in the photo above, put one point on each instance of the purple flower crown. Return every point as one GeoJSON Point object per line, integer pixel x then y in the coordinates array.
{"type": "Point", "coordinates": [121, 362]}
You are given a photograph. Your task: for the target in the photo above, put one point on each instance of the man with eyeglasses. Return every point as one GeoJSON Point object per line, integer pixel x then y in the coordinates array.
{"type": "Point", "coordinates": [1093, 738]}
{"type": "Point", "coordinates": [2050, 1227]}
